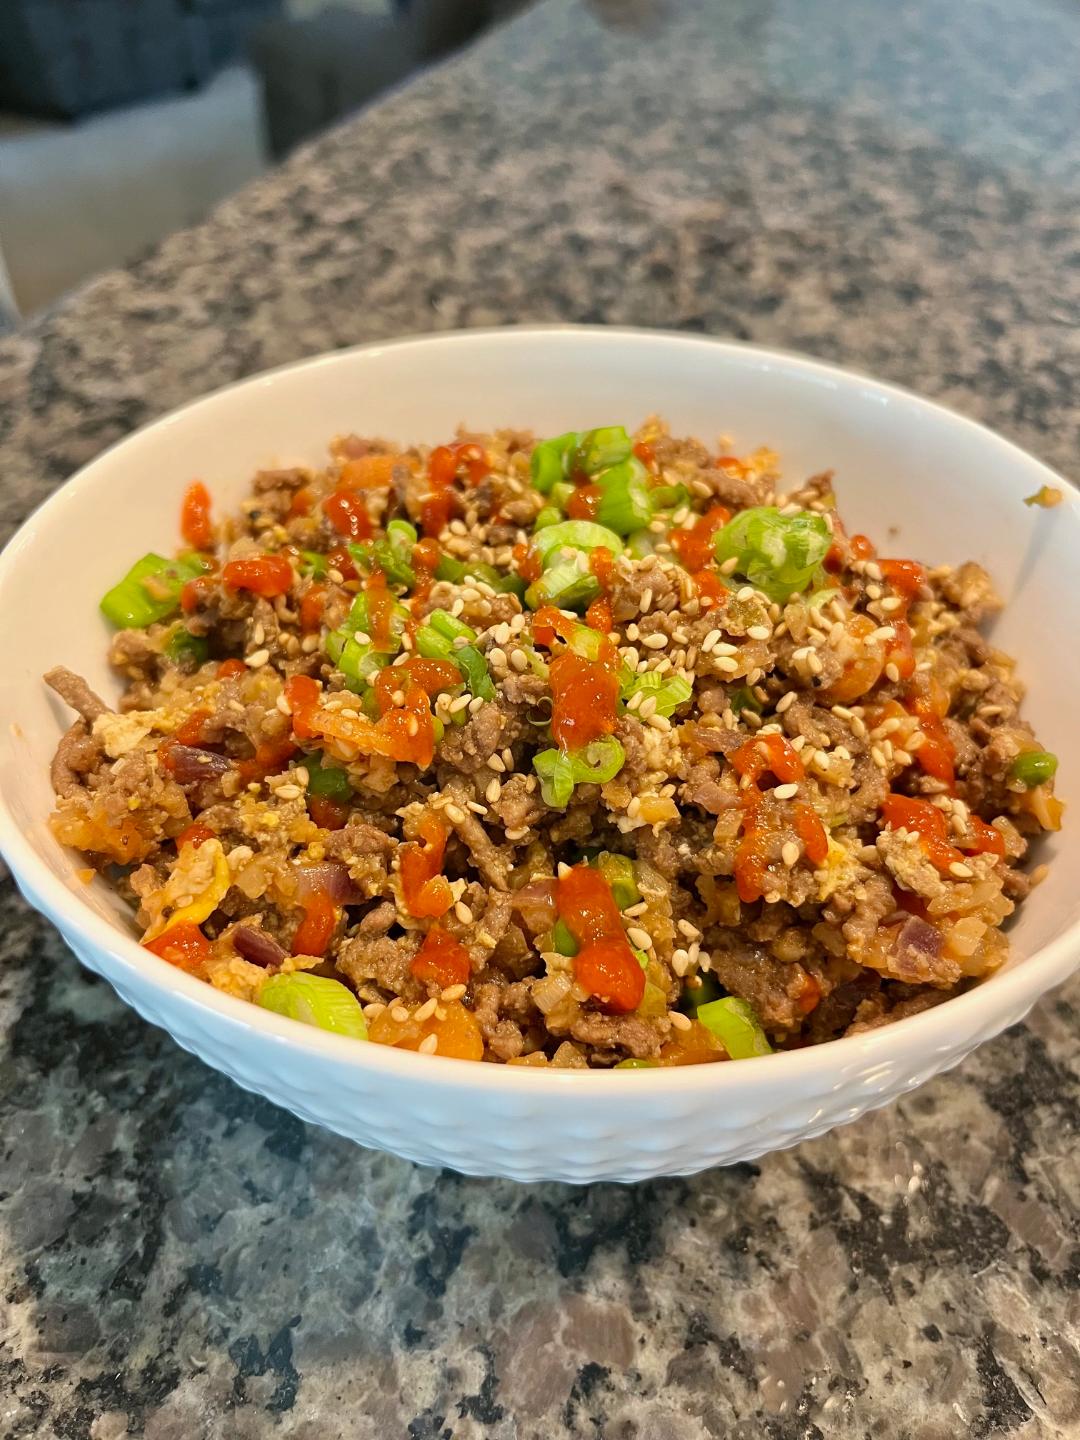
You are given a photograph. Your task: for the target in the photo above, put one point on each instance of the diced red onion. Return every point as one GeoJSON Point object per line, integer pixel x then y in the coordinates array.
{"type": "Point", "coordinates": [535, 903]}
{"type": "Point", "coordinates": [188, 765]}
{"type": "Point", "coordinates": [257, 946]}
{"type": "Point", "coordinates": [328, 877]}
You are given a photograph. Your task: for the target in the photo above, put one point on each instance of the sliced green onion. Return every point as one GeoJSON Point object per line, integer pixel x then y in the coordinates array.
{"type": "Point", "coordinates": [669, 691]}
{"type": "Point", "coordinates": [450, 569]}
{"type": "Point", "coordinates": [736, 1026]}
{"type": "Point", "coordinates": [401, 532]}
{"type": "Point", "coordinates": [692, 999]}
{"type": "Point", "coordinates": [392, 554]}
{"type": "Point", "coordinates": [432, 645]}
{"type": "Point", "coordinates": [598, 450]}
{"type": "Point", "coordinates": [641, 544]}
{"type": "Point", "coordinates": [549, 515]}
{"type": "Point", "coordinates": [575, 535]}
{"type": "Point", "coordinates": [314, 1000]}
{"type": "Point", "coordinates": [565, 584]}
{"type": "Point", "coordinates": [474, 668]}
{"type": "Point", "coordinates": [556, 773]}
{"type": "Point", "coordinates": [150, 591]}
{"type": "Point", "coordinates": [358, 619]}
{"type": "Point", "coordinates": [618, 871]}
{"type": "Point", "coordinates": [329, 781]}
{"type": "Point", "coordinates": [359, 663]}
{"type": "Point", "coordinates": [1033, 768]}
{"type": "Point", "coordinates": [314, 564]}
{"type": "Point", "coordinates": [450, 626]}
{"type": "Point", "coordinates": [562, 939]}
{"type": "Point", "coordinates": [625, 504]}
{"type": "Point", "coordinates": [561, 493]}
{"type": "Point", "coordinates": [185, 649]}
{"type": "Point", "coordinates": [744, 699]}
{"type": "Point", "coordinates": [599, 761]}
{"type": "Point", "coordinates": [548, 463]}
{"type": "Point", "coordinates": [778, 554]}
{"type": "Point", "coordinates": [669, 497]}
{"type": "Point", "coordinates": [642, 959]}
{"type": "Point", "coordinates": [636, 1065]}
{"type": "Point", "coordinates": [818, 599]}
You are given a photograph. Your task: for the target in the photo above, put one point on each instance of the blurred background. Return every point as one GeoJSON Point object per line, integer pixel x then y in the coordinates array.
{"type": "Point", "coordinates": [123, 120]}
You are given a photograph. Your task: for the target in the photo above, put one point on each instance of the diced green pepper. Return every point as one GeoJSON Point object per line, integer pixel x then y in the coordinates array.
{"type": "Point", "coordinates": [736, 1026]}
{"type": "Point", "coordinates": [150, 591]}
{"type": "Point", "coordinates": [1034, 768]}
{"type": "Point", "coordinates": [778, 554]}
{"type": "Point", "coordinates": [314, 1000]}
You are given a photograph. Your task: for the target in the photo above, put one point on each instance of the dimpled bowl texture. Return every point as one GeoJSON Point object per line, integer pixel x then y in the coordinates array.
{"type": "Point", "coordinates": [921, 481]}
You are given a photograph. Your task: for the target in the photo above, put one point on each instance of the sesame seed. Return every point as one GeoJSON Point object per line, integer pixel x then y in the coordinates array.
{"type": "Point", "coordinates": [463, 913]}
{"type": "Point", "coordinates": [564, 869]}
{"type": "Point", "coordinates": [455, 814]}
{"type": "Point", "coordinates": [746, 593]}
{"type": "Point", "coordinates": [426, 1010]}
{"type": "Point", "coordinates": [680, 962]}
{"type": "Point", "coordinates": [654, 642]}
{"type": "Point", "coordinates": [878, 757]}
{"type": "Point", "coordinates": [645, 604]}
{"type": "Point", "coordinates": [640, 939]}
{"type": "Point", "coordinates": [690, 931]}
{"type": "Point", "coordinates": [458, 704]}
{"type": "Point", "coordinates": [726, 663]}
{"type": "Point", "coordinates": [659, 722]}
{"type": "Point", "coordinates": [399, 1013]}
{"type": "Point", "coordinates": [785, 702]}
{"type": "Point", "coordinates": [493, 791]}
{"type": "Point", "coordinates": [759, 632]}
{"type": "Point", "coordinates": [375, 1008]}
{"type": "Point", "coordinates": [288, 792]}
{"type": "Point", "coordinates": [647, 706]}
{"type": "Point", "coordinates": [730, 565]}
{"type": "Point", "coordinates": [883, 632]}
{"type": "Point", "coordinates": [428, 1045]}
{"type": "Point", "coordinates": [960, 870]}
{"type": "Point", "coordinates": [452, 992]}
{"type": "Point", "coordinates": [813, 661]}
{"type": "Point", "coordinates": [519, 660]}
{"type": "Point", "coordinates": [789, 853]}
{"type": "Point", "coordinates": [892, 672]}
{"type": "Point", "coordinates": [786, 792]}
{"type": "Point", "coordinates": [283, 705]}
{"type": "Point", "coordinates": [874, 570]}
{"type": "Point", "coordinates": [257, 660]}
{"type": "Point", "coordinates": [636, 699]}
{"type": "Point", "coordinates": [891, 603]}
{"type": "Point", "coordinates": [679, 1020]}
{"type": "Point", "coordinates": [497, 656]}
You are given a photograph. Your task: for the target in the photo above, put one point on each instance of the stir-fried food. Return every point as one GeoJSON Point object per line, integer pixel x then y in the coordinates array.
{"type": "Point", "coordinates": [599, 751]}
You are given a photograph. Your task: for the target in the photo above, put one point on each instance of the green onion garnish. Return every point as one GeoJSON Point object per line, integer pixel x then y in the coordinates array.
{"type": "Point", "coordinates": [575, 535]}
{"type": "Point", "coordinates": [778, 554]}
{"type": "Point", "coordinates": [669, 691]}
{"type": "Point", "coordinates": [556, 773]}
{"type": "Point", "coordinates": [736, 1026]}
{"type": "Point", "coordinates": [625, 503]}
{"type": "Point", "coordinates": [450, 626]}
{"type": "Point", "coordinates": [618, 871]}
{"type": "Point", "coordinates": [314, 1000]}
{"type": "Point", "coordinates": [150, 591]}
{"type": "Point", "coordinates": [326, 780]}
{"type": "Point", "coordinates": [185, 649]}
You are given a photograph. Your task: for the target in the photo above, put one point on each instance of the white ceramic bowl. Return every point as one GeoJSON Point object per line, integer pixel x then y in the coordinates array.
{"type": "Point", "coordinates": [920, 479]}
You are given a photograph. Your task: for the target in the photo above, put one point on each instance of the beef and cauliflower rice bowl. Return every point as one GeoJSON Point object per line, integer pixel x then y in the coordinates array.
{"type": "Point", "coordinates": [601, 750]}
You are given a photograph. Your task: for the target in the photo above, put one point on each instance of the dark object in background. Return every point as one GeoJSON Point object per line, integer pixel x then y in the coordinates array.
{"type": "Point", "coordinates": [317, 70]}
{"type": "Point", "coordinates": [64, 58]}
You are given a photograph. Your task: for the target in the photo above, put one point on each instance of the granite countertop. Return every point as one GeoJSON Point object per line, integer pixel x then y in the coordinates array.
{"type": "Point", "coordinates": [893, 187]}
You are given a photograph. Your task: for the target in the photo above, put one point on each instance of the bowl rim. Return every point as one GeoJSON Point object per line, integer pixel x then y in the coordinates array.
{"type": "Point", "coordinates": [985, 1009]}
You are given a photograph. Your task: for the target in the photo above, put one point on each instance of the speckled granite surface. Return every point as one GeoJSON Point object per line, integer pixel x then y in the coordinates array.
{"type": "Point", "coordinates": [890, 186]}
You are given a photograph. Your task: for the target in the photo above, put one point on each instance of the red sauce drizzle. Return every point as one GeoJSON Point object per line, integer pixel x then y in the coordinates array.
{"type": "Point", "coordinates": [424, 888]}
{"type": "Point", "coordinates": [694, 546]}
{"type": "Point", "coordinates": [266, 575]}
{"type": "Point", "coordinates": [584, 692]}
{"type": "Point", "coordinates": [605, 964]}
{"type": "Point", "coordinates": [348, 514]}
{"type": "Point", "coordinates": [195, 524]}
{"type": "Point", "coordinates": [441, 960]}
{"type": "Point", "coordinates": [584, 502]}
